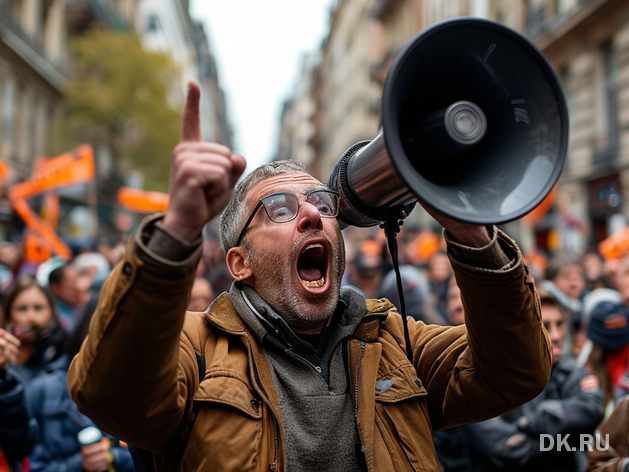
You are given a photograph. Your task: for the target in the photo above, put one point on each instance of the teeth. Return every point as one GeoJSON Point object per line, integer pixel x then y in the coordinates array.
{"type": "Point", "coordinates": [314, 246]}
{"type": "Point", "coordinates": [314, 283]}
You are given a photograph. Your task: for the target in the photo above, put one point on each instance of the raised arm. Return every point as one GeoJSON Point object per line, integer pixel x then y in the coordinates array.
{"type": "Point", "coordinates": [502, 357]}
{"type": "Point", "coordinates": [134, 374]}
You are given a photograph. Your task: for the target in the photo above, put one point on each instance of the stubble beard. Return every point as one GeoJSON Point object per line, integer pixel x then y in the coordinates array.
{"type": "Point", "coordinates": [278, 284]}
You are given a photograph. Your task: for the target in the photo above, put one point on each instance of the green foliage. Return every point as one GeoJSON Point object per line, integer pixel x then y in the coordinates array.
{"type": "Point", "coordinates": [118, 96]}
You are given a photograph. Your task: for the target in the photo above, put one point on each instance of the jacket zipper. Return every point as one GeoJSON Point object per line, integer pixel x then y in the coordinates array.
{"type": "Point", "coordinates": [277, 446]}
{"type": "Point", "coordinates": [358, 366]}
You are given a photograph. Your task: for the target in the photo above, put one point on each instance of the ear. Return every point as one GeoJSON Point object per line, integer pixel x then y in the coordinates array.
{"type": "Point", "coordinates": [238, 263]}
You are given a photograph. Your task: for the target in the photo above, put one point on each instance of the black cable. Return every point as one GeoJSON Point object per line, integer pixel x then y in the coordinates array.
{"type": "Point", "coordinates": [391, 229]}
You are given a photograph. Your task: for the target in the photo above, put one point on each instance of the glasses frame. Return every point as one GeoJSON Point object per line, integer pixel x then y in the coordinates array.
{"type": "Point", "coordinates": [261, 204]}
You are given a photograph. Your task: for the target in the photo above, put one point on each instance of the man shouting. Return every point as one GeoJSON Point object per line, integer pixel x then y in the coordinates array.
{"type": "Point", "coordinates": [290, 370]}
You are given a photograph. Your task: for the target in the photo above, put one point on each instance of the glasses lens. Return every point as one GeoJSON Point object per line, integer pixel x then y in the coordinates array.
{"type": "Point", "coordinates": [326, 202]}
{"type": "Point", "coordinates": [281, 207]}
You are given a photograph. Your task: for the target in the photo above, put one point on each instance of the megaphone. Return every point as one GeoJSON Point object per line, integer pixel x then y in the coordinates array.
{"type": "Point", "coordinates": [474, 124]}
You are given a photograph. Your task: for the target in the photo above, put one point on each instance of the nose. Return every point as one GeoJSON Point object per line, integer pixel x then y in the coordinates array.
{"type": "Point", "coordinates": [308, 217]}
{"type": "Point", "coordinates": [554, 334]}
{"type": "Point", "coordinates": [31, 316]}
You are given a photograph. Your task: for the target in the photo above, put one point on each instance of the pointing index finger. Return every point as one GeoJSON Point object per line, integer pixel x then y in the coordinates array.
{"type": "Point", "coordinates": [190, 125]}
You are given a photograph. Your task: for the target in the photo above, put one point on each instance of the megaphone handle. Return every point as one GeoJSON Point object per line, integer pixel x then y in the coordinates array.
{"type": "Point", "coordinates": [393, 220]}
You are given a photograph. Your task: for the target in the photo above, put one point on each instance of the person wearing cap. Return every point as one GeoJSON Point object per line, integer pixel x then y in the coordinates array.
{"type": "Point", "coordinates": [571, 404]}
{"type": "Point", "coordinates": [301, 373]}
{"type": "Point", "coordinates": [608, 356]}
{"type": "Point", "coordinates": [606, 353]}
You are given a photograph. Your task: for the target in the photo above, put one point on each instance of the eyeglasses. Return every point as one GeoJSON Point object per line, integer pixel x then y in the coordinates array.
{"type": "Point", "coordinates": [282, 207]}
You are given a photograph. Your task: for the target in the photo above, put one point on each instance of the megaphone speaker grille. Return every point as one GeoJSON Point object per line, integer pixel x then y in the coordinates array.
{"type": "Point", "coordinates": [475, 121]}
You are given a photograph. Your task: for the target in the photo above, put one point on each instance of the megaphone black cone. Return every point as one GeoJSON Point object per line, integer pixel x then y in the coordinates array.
{"type": "Point", "coordinates": [516, 163]}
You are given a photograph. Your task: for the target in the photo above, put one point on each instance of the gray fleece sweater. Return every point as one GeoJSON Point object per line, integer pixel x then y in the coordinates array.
{"type": "Point", "coordinates": [312, 384]}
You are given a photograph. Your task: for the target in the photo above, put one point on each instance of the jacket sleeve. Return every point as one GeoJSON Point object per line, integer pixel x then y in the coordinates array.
{"type": "Point", "coordinates": [499, 360]}
{"type": "Point", "coordinates": [611, 448]}
{"type": "Point", "coordinates": [578, 412]}
{"type": "Point", "coordinates": [17, 429]}
{"type": "Point", "coordinates": [135, 372]}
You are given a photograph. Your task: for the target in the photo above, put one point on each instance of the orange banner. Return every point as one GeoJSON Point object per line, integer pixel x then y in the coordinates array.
{"type": "Point", "coordinates": [615, 246]}
{"type": "Point", "coordinates": [36, 248]}
{"type": "Point", "coordinates": [61, 171]}
{"type": "Point", "coordinates": [3, 170]}
{"type": "Point", "coordinates": [142, 201]}
{"type": "Point", "coordinates": [31, 220]}
{"type": "Point", "coordinates": [50, 212]}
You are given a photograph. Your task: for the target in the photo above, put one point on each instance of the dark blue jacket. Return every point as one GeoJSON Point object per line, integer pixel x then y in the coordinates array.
{"type": "Point", "coordinates": [17, 430]}
{"type": "Point", "coordinates": [511, 442]}
{"type": "Point", "coordinates": [57, 447]}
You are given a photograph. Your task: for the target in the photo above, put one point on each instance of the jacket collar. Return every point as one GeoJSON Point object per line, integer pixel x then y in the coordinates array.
{"type": "Point", "coordinates": [221, 313]}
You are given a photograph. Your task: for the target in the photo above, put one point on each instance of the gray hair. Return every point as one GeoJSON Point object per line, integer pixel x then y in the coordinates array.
{"type": "Point", "coordinates": [233, 217]}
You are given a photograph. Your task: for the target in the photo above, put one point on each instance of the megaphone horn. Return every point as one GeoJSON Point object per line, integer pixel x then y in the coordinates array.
{"type": "Point", "coordinates": [474, 124]}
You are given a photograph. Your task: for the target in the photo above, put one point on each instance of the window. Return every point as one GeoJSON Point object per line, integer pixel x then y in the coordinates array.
{"type": "Point", "coordinates": [8, 112]}
{"type": "Point", "coordinates": [607, 141]}
{"type": "Point", "coordinates": [152, 24]}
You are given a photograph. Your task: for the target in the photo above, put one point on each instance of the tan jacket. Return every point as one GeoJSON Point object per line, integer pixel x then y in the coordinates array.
{"type": "Point", "coordinates": [136, 375]}
{"type": "Point", "coordinates": [610, 448]}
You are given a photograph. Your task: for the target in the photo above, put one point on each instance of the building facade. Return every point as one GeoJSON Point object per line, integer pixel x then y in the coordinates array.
{"type": "Point", "coordinates": [33, 71]}
{"type": "Point", "coordinates": [586, 43]}
{"type": "Point", "coordinates": [347, 99]}
{"type": "Point", "coordinates": [297, 129]}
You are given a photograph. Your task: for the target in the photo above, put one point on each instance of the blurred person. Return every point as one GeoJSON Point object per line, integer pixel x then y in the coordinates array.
{"type": "Point", "coordinates": [10, 260]}
{"type": "Point", "coordinates": [93, 271]}
{"type": "Point", "coordinates": [368, 268]}
{"type": "Point", "coordinates": [69, 288]}
{"type": "Point", "coordinates": [30, 317]}
{"type": "Point", "coordinates": [618, 270]}
{"type": "Point", "coordinates": [113, 251]}
{"type": "Point", "coordinates": [572, 404]}
{"type": "Point", "coordinates": [565, 280]}
{"type": "Point", "coordinates": [439, 274]}
{"type": "Point", "coordinates": [17, 430]}
{"type": "Point", "coordinates": [300, 373]}
{"type": "Point", "coordinates": [212, 264]}
{"type": "Point", "coordinates": [201, 295]}
{"type": "Point", "coordinates": [454, 304]}
{"type": "Point", "coordinates": [594, 271]}
{"type": "Point", "coordinates": [417, 296]}
{"type": "Point", "coordinates": [450, 444]}
{"type": "Point", "coordinates": [58, 447]}
{"type": "Point", "coordinates": [606, 352]}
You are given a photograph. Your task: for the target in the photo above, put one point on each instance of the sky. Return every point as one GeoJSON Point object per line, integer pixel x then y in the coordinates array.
{"type": "Point", "coordinates": [258, 45]}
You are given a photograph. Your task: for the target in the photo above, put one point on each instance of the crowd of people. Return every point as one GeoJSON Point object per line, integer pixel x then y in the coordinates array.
{"type": "Point", "coordinates": [46, 313]}
{"type": "Point", "coordinates": [584, 305]}
{"type": "Point", "coordinates": [303, 364]}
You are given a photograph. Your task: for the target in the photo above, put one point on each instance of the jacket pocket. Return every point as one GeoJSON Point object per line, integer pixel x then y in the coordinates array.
{"type": "Point", "coordinates": [402, 421]}
{"type": "Point", "coordinates": [228, 432]}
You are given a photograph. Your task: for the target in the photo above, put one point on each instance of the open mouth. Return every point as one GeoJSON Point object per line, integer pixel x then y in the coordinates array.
{"type": "Point", "coordinates": [312, 265]}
